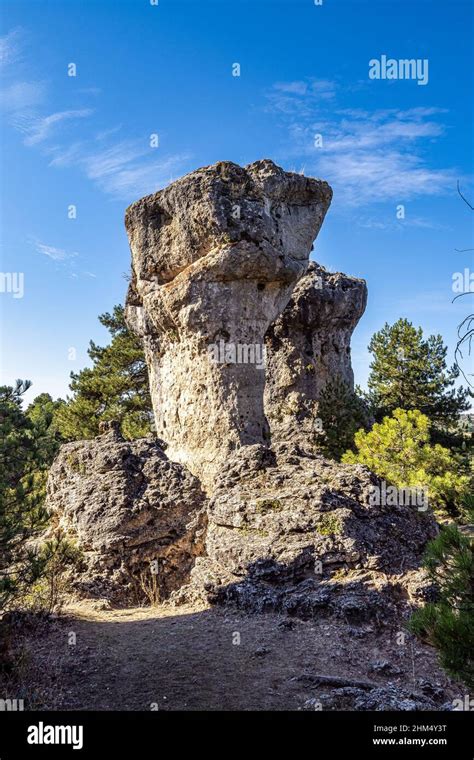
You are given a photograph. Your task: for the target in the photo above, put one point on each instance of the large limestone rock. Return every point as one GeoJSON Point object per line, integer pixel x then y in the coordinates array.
{"type": "Point", "coordinates": [308, 345]}
{"type": "Point", "coordinates": [137, 517]}
{"type": "Point", "coordinates": [216, 256]}
{"type": "Point", "coordinates": [292, 532]}
{"type": "Point", "coordinates": [222, 256]}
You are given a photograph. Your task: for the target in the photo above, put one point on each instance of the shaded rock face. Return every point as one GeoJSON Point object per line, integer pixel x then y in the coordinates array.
{"type": "Point", "coordinates": [308, 345]}
{"type": "Point", "coordinates": [216, 256]}
{"type": "Point", "coordinates": [293, 532]}
{"type": "Point", "coordinates": [137, 517]}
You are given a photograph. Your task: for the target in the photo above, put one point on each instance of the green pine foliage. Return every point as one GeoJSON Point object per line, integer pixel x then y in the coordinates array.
{"type": "Point", "coordinates": [25, 454]}
{"type": "Point", "coordinates": [398, 449]}
{"type": "Point", "coordinates": [410, 372]}
{"type": "Point", "coordinates": [342, 413]}
{"type": "Point", "coordinates": [49, 573]}
{"type": "Point", "coordinates": [29, 442]}
{"type": "Point", "coordinates": [114, 388]}
{"type": "Point", "coordinates": [448, 623]}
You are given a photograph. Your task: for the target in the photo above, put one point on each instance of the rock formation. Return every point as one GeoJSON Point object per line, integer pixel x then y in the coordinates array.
{"type": "Point", "coordinates": [137, 517]}
{"type": "Point", "coordinates": [292, 532]}
{"type": "Point", "coordinates": [308, 345]}
{"type": "Point", "coordinates": [220, 257]}
{"type": "Point", "coordinates": [216, 256]}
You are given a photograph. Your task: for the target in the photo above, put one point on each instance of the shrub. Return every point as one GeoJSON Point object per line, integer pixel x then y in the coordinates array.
{"type": "Point", "coordinates": [398, 450]}
{"type": "Point", "coordinates": [448, 624]}
{"type": "Point", "coordinates": [50, 576]}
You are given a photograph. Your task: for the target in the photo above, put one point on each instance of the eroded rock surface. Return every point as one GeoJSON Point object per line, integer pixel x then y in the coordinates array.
{"type": "Point", "coordinates": [295, 533]}
{"type": "Point", "coordinates": [216, 256]}
{"type": "Point", "coordinates": [377, 698]}
{"type": "Point", "coordinates": [308, 345]}
{"type": "Point", "coordinates": [127, 506]}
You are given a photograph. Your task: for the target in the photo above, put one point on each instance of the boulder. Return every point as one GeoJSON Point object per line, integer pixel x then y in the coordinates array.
{"type": "Point", "coordinates": [223, 513]}
{"type": "Point", "coordinates": [137, 517]}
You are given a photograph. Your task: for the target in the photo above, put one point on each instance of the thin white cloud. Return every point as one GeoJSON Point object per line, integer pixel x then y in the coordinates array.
{"type": "Point", "coordinates": [299, 87]}
{"type": "Point", "coordinates": [301, 97]}
{"type": "Point", "coordinates": [21, 96]}
{"type": "Point", "coordinates": [105, 133]}
{"type": "Point", "coordinates": [418, 222]}
{"type": "Point", "coordinates": [56, 254]}
{"type": "Point", "coordinates": [111, 160]}
{"type": "Point", "coordinates": [131, 181]}
{"type": "Point", "coordinates": [124, 169]}
{"type": "Point", "coordinates": [40, 129]}
{"type": "Point", "coordinates": [11, 46]}
{"type": "Point", "coordinates": [367, 156]}
{"type": "Point", "coordinates": [18, 97]}
{"type": "Point", "coordinates": [366, 177]}
{"type": "Point", "coordinates": [67, 261]}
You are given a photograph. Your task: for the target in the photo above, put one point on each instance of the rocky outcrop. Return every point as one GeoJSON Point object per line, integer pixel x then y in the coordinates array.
{"type": "Point", "coordinates": [292, 532]}
{"type": "Point", "coordinates": [308, 345]}
{"type": "Point", "coordinates": [225, 507]}
{"type": "Point", "coordinates": [137, 517]}
{"type": "Point", "coordinates": [220, 258]}
{"type": "Point", "coordinates": [216, 256]}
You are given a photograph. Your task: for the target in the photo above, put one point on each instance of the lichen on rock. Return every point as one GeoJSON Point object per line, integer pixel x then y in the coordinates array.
{"type": "Point", "coordinates": [292, 532]}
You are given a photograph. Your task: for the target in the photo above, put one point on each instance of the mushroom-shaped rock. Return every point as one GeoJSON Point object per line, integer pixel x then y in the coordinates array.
{"type": "Point", "coordinates": [308, 345]}
{"type": "Point", "coordinates": [215, 258]}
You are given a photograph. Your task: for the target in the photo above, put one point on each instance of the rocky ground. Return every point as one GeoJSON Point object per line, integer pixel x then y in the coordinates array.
{"type": "Point", "coordinates": [285, 590]}
{"type": "Point", "coordinates": [201, 658]}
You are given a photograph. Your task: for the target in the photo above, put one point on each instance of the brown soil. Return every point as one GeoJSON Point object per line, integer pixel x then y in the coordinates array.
{"type": "Point", "coordinates": [188, 659]}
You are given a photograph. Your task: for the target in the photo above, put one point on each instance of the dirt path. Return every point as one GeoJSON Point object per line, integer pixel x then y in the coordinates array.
{"type": "Point", "coordinates": [208, 659]}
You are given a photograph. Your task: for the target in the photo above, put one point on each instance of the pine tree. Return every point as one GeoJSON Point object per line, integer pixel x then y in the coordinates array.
{"type": "Point", "coordinates": [398, 450]}
{"type": "Point", "coordinates": [409, 372]}
{"type": "Point", "coordinates": [42, 413]}
{"type": "Point", "coordinates": [342, 413]}
{"type": "Point", "coordinates": [22, 478]}
{"type": "Point", "coordinates": [448, 623]}
{"type": "Point", "coordinates": [115, 387]}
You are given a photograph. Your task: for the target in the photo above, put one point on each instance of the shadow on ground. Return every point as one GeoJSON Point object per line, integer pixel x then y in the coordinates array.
{"type": "Point", "coordinates": [210, 659]}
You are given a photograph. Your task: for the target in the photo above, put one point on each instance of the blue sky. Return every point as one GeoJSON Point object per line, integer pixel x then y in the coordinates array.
{"type": "Point", "coordinates": [167, 69]}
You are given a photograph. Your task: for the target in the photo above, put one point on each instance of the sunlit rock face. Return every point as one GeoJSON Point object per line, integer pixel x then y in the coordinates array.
{"type": "Point", "coordinates": [309, 345]}
{"type": "Point", "coordinates": [215, 259]}
{"type": "Point", "coordinates": [129, 509]}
